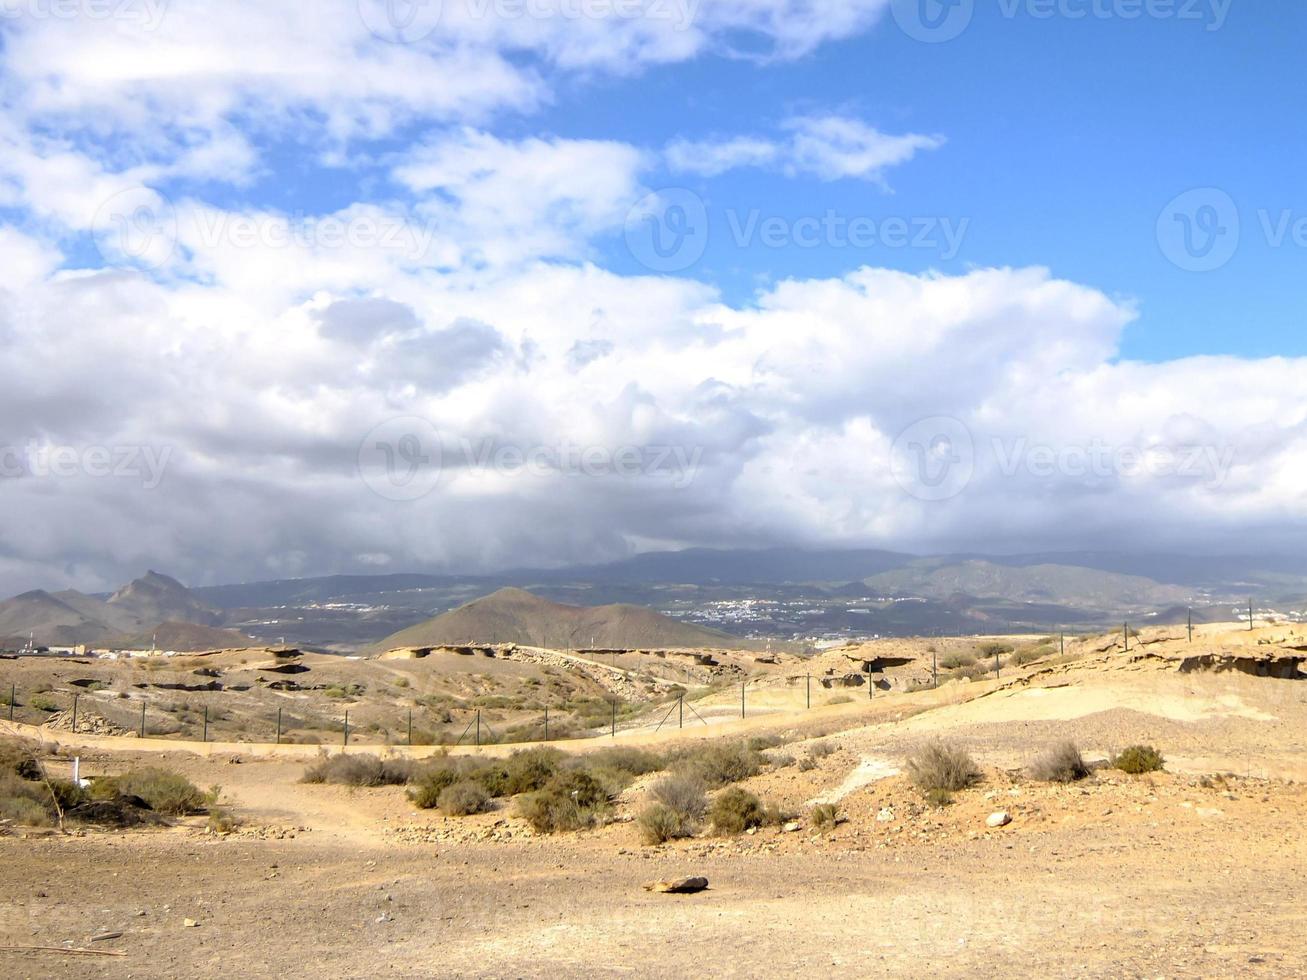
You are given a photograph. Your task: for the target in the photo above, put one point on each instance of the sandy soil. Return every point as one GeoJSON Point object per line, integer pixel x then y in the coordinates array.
{"type": "Point", "coordinates": [1194, 872]}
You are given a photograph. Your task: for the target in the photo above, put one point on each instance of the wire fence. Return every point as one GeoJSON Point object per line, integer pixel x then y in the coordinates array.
{"type": "Point", "coordinates": [107, 712]}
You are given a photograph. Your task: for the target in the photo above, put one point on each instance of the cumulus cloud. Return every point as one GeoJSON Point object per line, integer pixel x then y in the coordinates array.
{"type": "Point", "coordinates": [829, 147]}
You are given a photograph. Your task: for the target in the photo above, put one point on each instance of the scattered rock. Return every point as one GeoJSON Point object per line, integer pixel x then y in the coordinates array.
{"type": "Point", "coordinates": [677, 886]}
{"type": "Point", "coordinates": [1000, 819]}
{"type": "Point", "coordinates": [885, 815]}
{"type": "Point", "coordinates": [189, 923]}
{"type": "Point", "coordinates": [100, 937]}
{"type": "Point", "coordinates": [791, 827]}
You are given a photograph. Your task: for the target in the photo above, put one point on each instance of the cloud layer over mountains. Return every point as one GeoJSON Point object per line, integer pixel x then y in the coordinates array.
{"type": "Point", "coordinates": [447, 367]}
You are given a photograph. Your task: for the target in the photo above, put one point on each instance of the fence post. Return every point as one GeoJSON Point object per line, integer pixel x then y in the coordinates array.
{"type": "Point", "coordinates": [143, 703]}
{"type": "Point", "coordinates": [742, 683]}
{"type": "Point", "coordinates": [75, 714]}
{"type": "Point", "coordinates": [546, 723]}
{"type": "Point", "coordinates": [206, 723]}
{"type": "Point", "coordinates": [998, 674]}
{"type": "Point", "coordinates": [1250, 615]}
{"type": "Point", "coordinates": [680, 720]}
{"type": "Point", "coordinates": [278, 726]}
{"type": "Point", "coordinates": [13, 696]}
{"type": "Point", "coordinates": [614, 735]}
{"type": "Point", "coordinates": [934, 669]}
{"type": "Point", "coordinates": [808, 683]}
{"type": "Point", "coordinates": [410, 727]}
{"type": "Point", "coordinates": [869, 692]}
{"type": "Point", "coordinates": [478, 727]}
{"type": "Point", "coordinates": [1061, 640]}
{"type": "Point", "coordinates": [346, 733]}
{"type": "Point", "coordinates": [1191, 624]}
{"type": "Point", "coordinates": [1125, 632]}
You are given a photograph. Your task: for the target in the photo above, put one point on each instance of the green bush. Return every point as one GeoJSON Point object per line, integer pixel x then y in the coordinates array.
{"type": "Point", "coordinates": [735, 810]}
{"type": "Point", "coordinates": [19, 757]}
{"type": "Point", "coordinates": [24, 811]}
{"type": "Point", "coordinates": [659, 823]}
{"type": "Point", "coordinates": [348, 769]}
{"type": "Point", "coordinates": [578, 785]}
{"type": "Point", "coordinates": [463, 798]}
{"type": "Point", "coordinates": [164, 790]}
{"type": "Point", "coordinates": [548, 811]}
{"type": "Point", "coordinates": [42, 702]}
{"type": "Point", "coordinates": [1062, 763]}
{"type": "Point", "coordinates": [955, 661]}
{"type": "Point", "coordinates": [942, 766]}
{"type": "Point", "coordinates": [524, 771]}
{"type": "Point", "coordinates": [1138, 759]}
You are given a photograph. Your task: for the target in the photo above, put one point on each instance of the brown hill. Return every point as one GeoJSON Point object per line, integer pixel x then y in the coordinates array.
{"type": "Point", "coordinates": [156, 598]}
{"type": "Point", "coordinates": [517, 616]}
{"type": "Point", "coordinates": [133, 613]}
{"type": "Point", "coordinates": [184, 638]}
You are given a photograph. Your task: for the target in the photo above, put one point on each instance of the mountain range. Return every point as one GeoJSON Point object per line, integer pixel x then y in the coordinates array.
{"type": "Point", "coordinates": [153, 608]}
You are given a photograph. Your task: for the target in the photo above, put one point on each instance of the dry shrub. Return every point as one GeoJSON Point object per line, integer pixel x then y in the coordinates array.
{"type": "Point", "coordinates": [433, 779]}
{"type": "Point", "coordinates": [807, 763]}
{"type": "Point", "coordinates": [683, 793]}
{"type": "Point", "coordinates": [1062, 763]}
{"type": "Point", "coordinates": [358, 770]}
{"type": "Point", "coordinates": [720, 763]}
{"type": "Point", "coordinates": [1138, 759]}
{"type": "Point", "coordinates": [659, 823]}
{"type": "Point", "coordinates": [735, 810]}
{"type": "Point", "coordinates": [942, 766]}
{"type": "Point", "coordinates": [164, 790]}
{"type": "Point", "coordinates": [525, 771]}
{"type": "Point", "coordinates": [819, 750]}
{"type": "Point", "coordinates": [463, 799]}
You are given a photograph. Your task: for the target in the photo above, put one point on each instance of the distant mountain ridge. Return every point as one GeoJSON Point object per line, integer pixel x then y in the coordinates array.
{"type": "Point", "coordinates": [130, 618]}
{"type": "Point", "coordinates": [517, 616]}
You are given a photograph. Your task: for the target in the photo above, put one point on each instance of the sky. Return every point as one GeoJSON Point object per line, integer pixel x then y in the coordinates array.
{"type": "Point", "coordinates": [299, 288]}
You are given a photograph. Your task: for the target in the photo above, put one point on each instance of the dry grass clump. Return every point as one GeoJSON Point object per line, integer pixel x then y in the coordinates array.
{"type": "Point", "coordinates": [942, 766]}
{"type": "Point", "coordinates": [427, 783]}
{"type": "Point", "coordinates": [1062, 763]}
{"type": "Point", "coordinates": [358, 770]}
{"type": "Point", "coordinates": [825, 815]}
{"type": "Point", "coordinates": [463, 798]}
{"type": "Point", "coordinates": [1138, 759]}
{"type": "Point", "coordinates": [819, 750]}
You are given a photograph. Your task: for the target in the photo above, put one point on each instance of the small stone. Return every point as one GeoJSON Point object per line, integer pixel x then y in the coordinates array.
{"type": "Point", "coordinates": [885, 815]}
{"type": "Point", "coordinates": [1000, 819]}
{"type": "Point", "coordinates": [189, 923]}
{"type": "Point", "coordinates": [677, 886]}
{"type": "Point", "coordinates": [791, 827]}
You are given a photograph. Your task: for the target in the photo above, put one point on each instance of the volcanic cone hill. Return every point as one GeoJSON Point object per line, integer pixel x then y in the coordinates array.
{"type": "Point", "coordinates": [517, 616]}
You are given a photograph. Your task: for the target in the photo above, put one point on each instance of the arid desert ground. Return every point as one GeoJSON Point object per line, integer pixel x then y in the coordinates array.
{"type": "Point", "coordinates": [1193, 870]}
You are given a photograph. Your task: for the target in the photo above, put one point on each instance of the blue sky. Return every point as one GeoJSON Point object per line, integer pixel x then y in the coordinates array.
{"type": "Point", "coordinates": [296, 289]}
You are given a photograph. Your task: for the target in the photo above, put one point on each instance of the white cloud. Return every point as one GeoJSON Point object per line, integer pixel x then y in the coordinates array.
{"type": "Point", "coordinates": [828, 147]}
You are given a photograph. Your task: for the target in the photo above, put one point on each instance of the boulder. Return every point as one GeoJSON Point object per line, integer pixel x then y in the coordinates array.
{"type": "Point", "coordinates": [677, 886]}
{"type": "Point", "coordinates": [1000, 819]}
